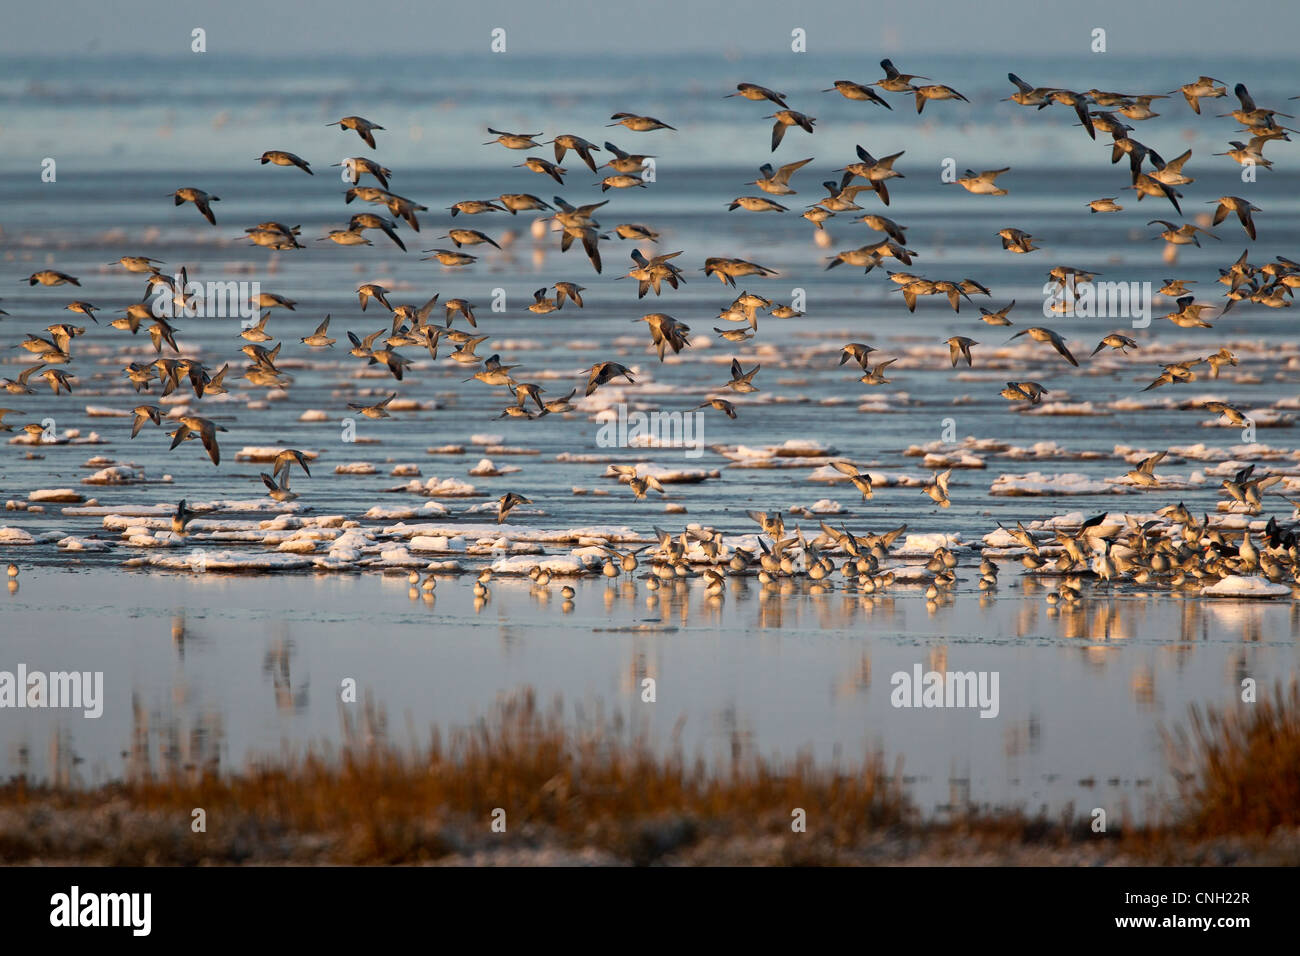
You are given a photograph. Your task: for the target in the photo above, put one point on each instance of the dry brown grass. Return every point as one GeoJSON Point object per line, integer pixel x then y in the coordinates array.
{"type": "Point", "coordinates": [587, 790]}
{"type": "Point", "coordinates": [594, 785]}
{"type": "Point", "coordinates": [1239, 767]}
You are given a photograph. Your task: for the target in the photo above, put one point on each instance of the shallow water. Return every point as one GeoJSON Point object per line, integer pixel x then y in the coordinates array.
{"type": "Point", "coordinates": [210, 670]}
{"type": "Point", "coordinates": [1082, 691]}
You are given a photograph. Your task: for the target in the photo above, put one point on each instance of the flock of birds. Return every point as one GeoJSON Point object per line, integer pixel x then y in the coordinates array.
{"type": "Point", "coordinates": [1174, 549]}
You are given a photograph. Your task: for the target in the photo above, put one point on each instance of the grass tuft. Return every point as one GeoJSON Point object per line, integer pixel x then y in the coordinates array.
{"type": "Point", "coordinates": [1239, 767]}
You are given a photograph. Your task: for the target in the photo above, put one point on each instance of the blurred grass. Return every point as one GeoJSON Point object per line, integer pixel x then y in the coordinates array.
{"type": "Point", "coordinates": [1239, 767]}
{"type": "Point", "coordinates": [592, 784]}
{"type": "Point", "coordinates": [586, 789]}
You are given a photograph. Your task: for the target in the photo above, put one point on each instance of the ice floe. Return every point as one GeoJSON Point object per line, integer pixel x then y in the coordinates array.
{"type": "Point", "coordinates": [1238, 586]}
{"type": "Point", "coordinates": [1036, 483]}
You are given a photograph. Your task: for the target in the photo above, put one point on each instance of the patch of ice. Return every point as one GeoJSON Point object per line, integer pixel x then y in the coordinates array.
{"type": "Point", "coordinates": [120, 475]}
{"type": "Point", "coordinates": [268, 453]}
{"type": "Point", "coordinates": [917, 545]}
{"type": "Point", "coordinates": [56, 494]}
{"type": "Point", "coordinates": [1035, 483]}
{"type": "Point", "coordinates": [522, 564]}
{"type": "Point", "coordinates": [439, 487]}
{"type": "Point", "coordinates": [486, 469]}
{"type": "Point", "coordinates": [1238, 586]}
{"type": "Point", "coordinates": [71, 543]}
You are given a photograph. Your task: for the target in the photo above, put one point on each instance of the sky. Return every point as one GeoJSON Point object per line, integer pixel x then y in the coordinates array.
{"type": "Point", "coordinates": [571, 27]}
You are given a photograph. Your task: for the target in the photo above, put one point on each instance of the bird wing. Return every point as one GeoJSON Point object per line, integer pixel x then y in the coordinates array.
{"type": "Point", "coordinates": [1058, 343]}
{"type": "Point", "coordinates": [778, 133]}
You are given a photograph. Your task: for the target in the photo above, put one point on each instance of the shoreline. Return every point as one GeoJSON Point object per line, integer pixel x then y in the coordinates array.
{"type": "Point", "coordinates": [527, 787]}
